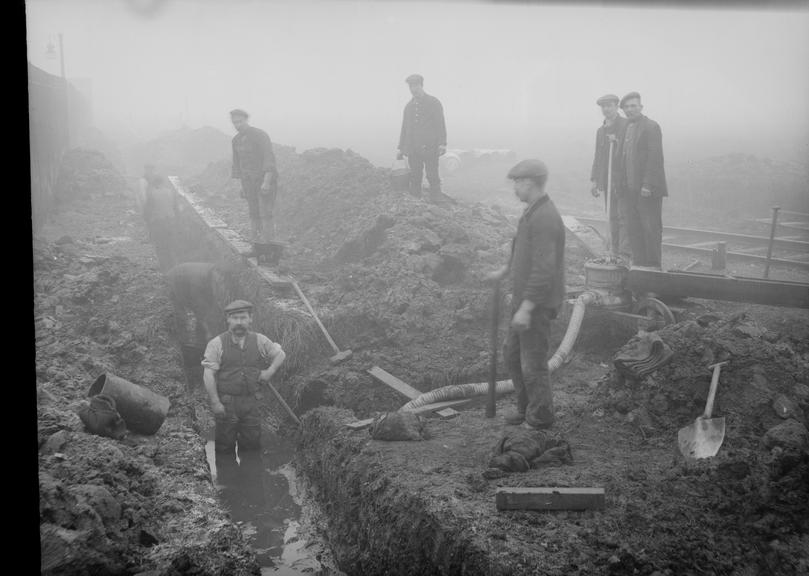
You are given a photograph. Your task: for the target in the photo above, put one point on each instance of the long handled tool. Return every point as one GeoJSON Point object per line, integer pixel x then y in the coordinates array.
{"type": "Point", "coordinates": [704, 437]}
{"type": "Point", "coordinates": [491, 402]}
{"type": "Point", "coordinates": [284, 404]}
{"type": "Point", "coordinates": [339, 355]}
{"type": "Point", "coordinates": [775, 210]}
{"type": "Point", "coordinates": [608, 201]}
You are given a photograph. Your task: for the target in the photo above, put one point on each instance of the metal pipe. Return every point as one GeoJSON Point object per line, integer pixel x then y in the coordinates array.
{"type": "Point", "coordinates": [608, 200]}
{"type": "Point", "coordinates": [775, 210]}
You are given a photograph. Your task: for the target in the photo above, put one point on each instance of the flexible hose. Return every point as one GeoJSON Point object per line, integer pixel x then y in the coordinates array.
{"type": "Point", "coordinates": [562, 354]}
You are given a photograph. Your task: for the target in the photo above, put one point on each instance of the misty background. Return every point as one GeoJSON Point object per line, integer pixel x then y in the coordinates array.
{"type": "Point", "coordinates": [516, 76]}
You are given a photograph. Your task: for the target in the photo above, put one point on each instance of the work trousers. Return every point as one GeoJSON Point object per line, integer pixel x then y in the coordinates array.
{"type": "Point", "coordinates": [526, 357]}
{"type": "Point", "coordinates": [619, 236]}
{"type": "Point", "coordinates": [260, 205]}
{"type": "Point", "coordinates": [644, 221]}
{"type": "Point", "coordinates": [421, 160]}
{"type": "Point", "coordinates": [241, 423]}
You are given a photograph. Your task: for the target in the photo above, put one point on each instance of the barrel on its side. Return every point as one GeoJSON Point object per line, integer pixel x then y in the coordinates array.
{"type": "Point", "coordinates": [143, 410]}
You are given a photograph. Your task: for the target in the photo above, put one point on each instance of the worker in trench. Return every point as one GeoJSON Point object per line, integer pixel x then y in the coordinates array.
{"type": "Point", "coordinates": [254, 165]}
{"type": "Point", "coordinates": [423, 138]}
{"type": "Point", "coordinates": [642, 183]}
{"type": "Point", "coordinates": [602, 176]}
{"type": "Point", "coordinates": [537, 268]}
{"type": "Point", "coordinates": [160, 211]}
{"type": "Point", "coordinates": [235, 365]}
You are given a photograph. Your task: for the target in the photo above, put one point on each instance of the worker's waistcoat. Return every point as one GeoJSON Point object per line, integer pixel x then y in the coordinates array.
{"type": "Point", "coordinates": [239, 368]}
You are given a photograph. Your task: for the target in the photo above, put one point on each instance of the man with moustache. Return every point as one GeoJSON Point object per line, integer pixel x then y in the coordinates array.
{"type": "Point", "coordinates": [236, 363]}
{"type": "Point", "coordinates": [642, 180]}
{"type": "Point", "coordinates": [603, 177]}
{"type": "Point", "coordinates": [254, 165]}
{"type": "Point", "coordinates": [423, 137]}
{"type": "Point", "coordinates": [537, 267]}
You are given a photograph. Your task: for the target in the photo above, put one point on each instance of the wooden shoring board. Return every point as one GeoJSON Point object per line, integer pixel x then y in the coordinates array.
{"type": "Point", "coordinates": [362, 424]}
{"type": "Point", "coordinates": [542, 498]}
{"type": "Point", "coordinates": [403, 388]}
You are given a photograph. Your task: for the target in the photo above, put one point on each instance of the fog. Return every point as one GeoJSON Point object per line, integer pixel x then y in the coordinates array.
{"type": "Point", "coordinates": [516, 76]}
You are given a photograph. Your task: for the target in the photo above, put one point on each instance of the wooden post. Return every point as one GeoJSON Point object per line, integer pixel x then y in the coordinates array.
{"type": "Point", "coordinates": [775, 210]}
{"type": "Point", "coordinates": [491, 403]}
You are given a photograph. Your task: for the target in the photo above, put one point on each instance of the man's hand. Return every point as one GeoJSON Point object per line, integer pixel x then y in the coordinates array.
{"type": "Point", "coordinates": [265, 375]}
{"type": "Point", "coordinates": [612, 137]}
{"type": "Point", "coordinates": [400, 155]}
{"type": "Point", "coordinates": [595, 191]}
{"type": "Point", "coordinates": [645, 192]}
{"type": "Point", "coordinates": [497, 275]}
{"type": "Point", "coordinates": [442, 149]}
{"type": "Point", "coordinates": [521, 320]}
{"type": "Point", "coordinates": [218, 408]}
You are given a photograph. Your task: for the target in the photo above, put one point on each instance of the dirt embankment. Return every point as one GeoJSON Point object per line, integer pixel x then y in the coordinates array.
{"type": "Point", "coordinates": [144, 504]}
{"type": "Point", "coordinates": [397, 280]}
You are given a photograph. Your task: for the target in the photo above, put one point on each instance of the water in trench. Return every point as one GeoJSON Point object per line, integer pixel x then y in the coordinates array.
{"type": "Point", "coordinates": [258, 488]}
{"type": "Point", "coordinates": [261, 492]}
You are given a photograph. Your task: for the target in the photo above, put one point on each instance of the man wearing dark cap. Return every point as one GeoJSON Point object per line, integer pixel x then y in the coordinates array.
{"type": "Point", "coordinates": [643, 183]}
{"type": "Point", "coordinates": [423, 137]}
{"type": "Point", "coordinates": [236, 363]}
{"type": "Point", "coordinates": [537, 267]}
{"type": "Point", "coordinates": [254, 165]}
{"type": "Point", "coordinates": [608, 137]}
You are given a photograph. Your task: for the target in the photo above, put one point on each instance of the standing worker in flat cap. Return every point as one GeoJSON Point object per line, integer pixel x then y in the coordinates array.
{"type": "Point", "coordinates": [608, 138]}
{"type": "Point", "coordinates": [423, 138]}
{"type": "Point", "coordinates": [643, 183]}
{"type": "Point", "coordinates": [236, 363]}
{"type": "Point", "coordinates": [537, 267]}
{"type": "Point", "coordinates": [254, 165]}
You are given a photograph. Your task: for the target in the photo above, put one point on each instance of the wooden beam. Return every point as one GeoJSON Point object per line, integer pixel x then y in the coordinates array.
{"type": "Point", "coordinates": [403, 388]}
{"type": "Point", "coordinates": [540, 498]}
{"type": "Point", "coordinates": [360, 424]}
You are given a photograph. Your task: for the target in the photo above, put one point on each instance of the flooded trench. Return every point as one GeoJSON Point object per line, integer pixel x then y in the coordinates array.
{"type": "Point", "coordinates": [266, 499]}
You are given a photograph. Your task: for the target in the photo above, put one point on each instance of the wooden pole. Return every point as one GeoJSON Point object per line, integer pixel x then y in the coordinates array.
{"type": "Point", "coordinates": [491, 400]}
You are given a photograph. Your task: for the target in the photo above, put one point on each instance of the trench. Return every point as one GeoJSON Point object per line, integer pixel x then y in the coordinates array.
{"type": "Point", "coordinates": [264, 497]}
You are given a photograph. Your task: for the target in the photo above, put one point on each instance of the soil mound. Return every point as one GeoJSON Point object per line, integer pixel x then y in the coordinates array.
{"type": "Point", "coordinates": [402, 277]}
{"type": "Point", "coordinates": [85, 172]}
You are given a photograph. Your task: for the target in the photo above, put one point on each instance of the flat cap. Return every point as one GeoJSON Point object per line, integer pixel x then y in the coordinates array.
{"type": "Point", "coordinates": [608, 98]}
{"type": "Point", "coordinates": [239, 112]}
{"type": "Point", "coordinates": [629, 96]}
{"type": "Point", "coordinates": [530, 168]}
{"type": "Point", "coordinates": [238, 306]}
{"type": "Point", "coordinates": [415, 79]}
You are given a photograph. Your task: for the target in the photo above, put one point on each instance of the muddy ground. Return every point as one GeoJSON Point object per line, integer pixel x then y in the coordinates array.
{"type": "Point", "coordinates": [404, 290]}
{"type": "Point", "coordinates": [143, 505]}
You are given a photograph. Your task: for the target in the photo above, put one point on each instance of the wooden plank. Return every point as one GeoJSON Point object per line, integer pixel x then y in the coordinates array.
{"type": "Point", "coordinates": [360, 424]}
{"type": "Point", "coordinates": [587, 235]}
{"type": "Point", "coordinates": [403, 388]}
{"type": "Point", "coordinates": [540, 498]}
{"type": "Point", "coordinates": [390, 380]}
{"type": "Point", "coordinates": [438, 406]}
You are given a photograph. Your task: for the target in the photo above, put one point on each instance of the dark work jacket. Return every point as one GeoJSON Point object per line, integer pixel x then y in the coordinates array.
{"type": "Point", "coordinates": [252, 154]}
{"type": "Point", "coordinates": [538, 257]}
{"type": "Point", "coordinates": [641, 162]}
{"type": "Point", "coordinates": [423, 125]}
{"type": "Point", "coordinates": [239, 368]}
{"type": "Point", "coordinates": [600, 161]}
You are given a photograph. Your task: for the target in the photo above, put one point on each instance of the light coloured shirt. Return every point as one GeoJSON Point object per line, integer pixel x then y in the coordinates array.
{"type": "Point", "coordinates": [213, 352]}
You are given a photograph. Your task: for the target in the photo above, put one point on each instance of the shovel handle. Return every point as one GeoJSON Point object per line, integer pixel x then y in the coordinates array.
{"type": "Point", "coordinates": [712, 390]}
{"type": "Point", "coordinates": [314, 315]}
{"type": "Point", "coordinates": [283, 403]}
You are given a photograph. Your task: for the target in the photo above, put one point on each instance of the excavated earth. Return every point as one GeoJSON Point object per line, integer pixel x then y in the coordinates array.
{"type": "Point", "coordinates": [145, 504]}
{"type": "Point", "coordinates": [398, 281]}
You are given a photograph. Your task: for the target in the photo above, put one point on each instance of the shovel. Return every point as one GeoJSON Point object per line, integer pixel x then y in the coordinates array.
{"type": "Point", "coordinates": [704, 437]}
{"type": "Point", "coordinates": [340, 355]}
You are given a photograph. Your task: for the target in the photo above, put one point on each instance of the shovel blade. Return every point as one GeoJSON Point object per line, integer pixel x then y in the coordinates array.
{"type": "Point", "coordinates": [702, 439]}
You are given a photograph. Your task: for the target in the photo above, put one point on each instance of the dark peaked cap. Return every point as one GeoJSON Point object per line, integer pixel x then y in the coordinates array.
{"type": "Point", "coordinates": [608, 98]}
{"type": "Point", "coordinates": [629, 96]}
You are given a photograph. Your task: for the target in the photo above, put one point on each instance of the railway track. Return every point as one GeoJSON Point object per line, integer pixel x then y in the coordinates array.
{"type": "Point", "coordinates": [790, 245]}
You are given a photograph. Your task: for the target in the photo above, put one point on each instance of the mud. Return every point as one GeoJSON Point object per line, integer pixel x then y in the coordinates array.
{"type": "Point", "coordinates": [145, 504]}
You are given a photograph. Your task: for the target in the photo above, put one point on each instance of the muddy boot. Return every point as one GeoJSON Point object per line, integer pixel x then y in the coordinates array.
{"type": "Point", "coordinates": [515, 418]}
